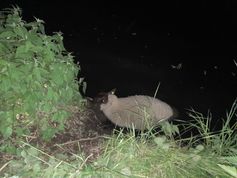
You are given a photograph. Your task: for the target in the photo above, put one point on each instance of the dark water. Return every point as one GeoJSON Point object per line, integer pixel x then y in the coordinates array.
{"type": "Point", "coordinates": [136, 48]}
{"type": "Point", "coordinates": [203, 82]}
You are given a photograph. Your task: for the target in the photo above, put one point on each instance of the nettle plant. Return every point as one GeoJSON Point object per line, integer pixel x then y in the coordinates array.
{"type": "Point", "coordinates": [37, 78]}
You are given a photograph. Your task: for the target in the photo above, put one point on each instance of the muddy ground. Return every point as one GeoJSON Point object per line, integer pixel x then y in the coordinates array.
{"type": "Point", "coordinates": [85, 131]}
{"type": "Point", "coordinates": [84, 135]}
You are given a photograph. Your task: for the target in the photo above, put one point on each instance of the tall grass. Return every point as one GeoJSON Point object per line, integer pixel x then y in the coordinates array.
{"type": "Point", "coordinates": [223, 141]}
{"type": "Point", "coordinates": [125, 156]}
{"type": "Point", "coordinates": [210, 153]}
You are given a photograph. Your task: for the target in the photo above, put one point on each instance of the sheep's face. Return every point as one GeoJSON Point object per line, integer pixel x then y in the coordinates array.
{"type": "Point", "coordinates": [102, 97]}
{"type": "Point", "coordinates": [111, 101]}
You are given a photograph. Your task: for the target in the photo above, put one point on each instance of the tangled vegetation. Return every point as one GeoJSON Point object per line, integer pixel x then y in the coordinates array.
{"type": "Point", "coordinates": [38, 80]}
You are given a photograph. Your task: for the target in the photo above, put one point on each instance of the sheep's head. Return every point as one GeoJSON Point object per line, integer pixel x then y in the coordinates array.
{"type": "Point", "coordinates": [102, 97]}
{"type": "Point", "coordinates": [95, 103]}
{"type": "Point", "coordinates": [108, 99]}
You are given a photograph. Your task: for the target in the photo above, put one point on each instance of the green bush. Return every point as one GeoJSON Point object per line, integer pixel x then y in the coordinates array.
{"type": "Point", "coordinates": [37, 79]}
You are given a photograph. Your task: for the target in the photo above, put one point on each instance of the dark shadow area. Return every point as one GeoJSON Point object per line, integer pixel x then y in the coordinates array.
{"type": "Point", "coordinates": [188, 48]}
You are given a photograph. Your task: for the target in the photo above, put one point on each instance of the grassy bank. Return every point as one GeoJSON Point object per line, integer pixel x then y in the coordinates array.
{"type": "Point", "coordinates": [212, 154]}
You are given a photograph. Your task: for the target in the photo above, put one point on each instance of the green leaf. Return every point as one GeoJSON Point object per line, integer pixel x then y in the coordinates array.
{"type": "Point", "coordinates": [7, 34]}
{"type": "Point", "coordinates": [126, 171]}
{"type": "Point", "coordinates": [21, 31]}
{"type": "Point", "coordinates": [160, 140]}
{"type": "Point", "coordinates": [35, 38]}
{"type": "Point", "coordinates": [6, 85]}
{"type": "Point", "coordinates": [199, 148]}
{"type": "Point", "coordinates": [23, 154]}
{"type": "Point", "coordinates": [229, 169]}
{"type": "Point", "coordinates": [37, 74]}
{"type": "Point", "coordinates": [48, 133]}
{"type": "Point", "coordinates": [7, 132]}
{"type": "Point", "coordinates": [232, 159]}
{"type": "Point", "coordinates": [3, 49]}
{"type": "Point", "coordinates": [36, 168]}
{"type": "Point", "coordinates": [19, 131]}
{"type": "Point", "coordinates": [51, 95]}
{"type": "Point", "coordinates": [32, 151]}
{"type": "Point", "coordinates": [23, 51]}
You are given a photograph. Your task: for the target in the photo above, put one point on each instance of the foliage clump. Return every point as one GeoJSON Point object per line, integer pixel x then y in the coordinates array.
{"type": "Point", "coordinates": [37, 79]}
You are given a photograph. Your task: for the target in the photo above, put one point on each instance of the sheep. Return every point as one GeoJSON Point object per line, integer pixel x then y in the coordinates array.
{"type": "Point", "coordinates": [140, 112]}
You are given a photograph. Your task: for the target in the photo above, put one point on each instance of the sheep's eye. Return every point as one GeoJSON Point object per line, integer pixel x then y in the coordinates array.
{"type": "Point", "coordinates": [103, 100]}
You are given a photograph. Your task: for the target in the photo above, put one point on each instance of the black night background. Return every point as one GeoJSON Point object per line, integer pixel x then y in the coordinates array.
{"type": "Point", "coordinates": [190, 48]}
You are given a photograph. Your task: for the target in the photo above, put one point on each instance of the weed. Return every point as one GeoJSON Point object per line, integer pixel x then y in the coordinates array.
{"type": "Point", "coordinates": [38, 80]}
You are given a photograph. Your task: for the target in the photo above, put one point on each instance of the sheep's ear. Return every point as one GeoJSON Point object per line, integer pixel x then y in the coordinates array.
{"type": "Point", "coordinates": [89, 99]}
{"type": "Point", "coordinates": [112, 91]}
{"type": "Point", "coordinates": [89, 102]}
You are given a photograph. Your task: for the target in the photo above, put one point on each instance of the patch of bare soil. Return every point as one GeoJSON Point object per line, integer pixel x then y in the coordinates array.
{"type": "Point", "coordinates": [85, 132]}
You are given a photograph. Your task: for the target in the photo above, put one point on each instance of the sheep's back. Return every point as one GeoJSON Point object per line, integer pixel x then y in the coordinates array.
{"type": "Point", "coordinates": [140, 111]}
